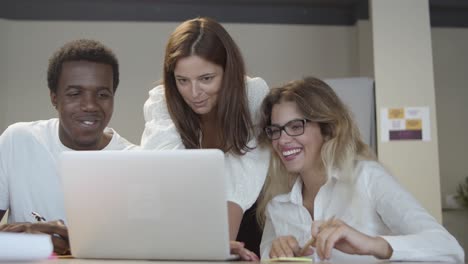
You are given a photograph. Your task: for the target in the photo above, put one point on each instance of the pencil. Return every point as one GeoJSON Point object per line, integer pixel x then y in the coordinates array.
{"type": "Point", "coordinates": [38, 217]}
{"type": "Point", "coordinates": [312, 240]}
{"type": "Point", "coordinates": [306, 246]}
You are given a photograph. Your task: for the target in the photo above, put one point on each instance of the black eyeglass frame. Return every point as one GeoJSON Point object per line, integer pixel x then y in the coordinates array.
{"type": "Point", "coordinates": [284, 128]}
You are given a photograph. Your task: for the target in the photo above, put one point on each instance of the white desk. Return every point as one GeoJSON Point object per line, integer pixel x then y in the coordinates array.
{"type": "Point", "coordinates": [95, 261]}
{"type": "Point", "coordinates": [108, 261]}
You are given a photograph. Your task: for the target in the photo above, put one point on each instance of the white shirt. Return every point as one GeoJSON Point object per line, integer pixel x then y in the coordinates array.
{"type": "Point", "coordinates": [28, 169]}
{"type": "Point", "coordinates": [245, 174]}
{"type": "Point", "coordinates": [374, 204]}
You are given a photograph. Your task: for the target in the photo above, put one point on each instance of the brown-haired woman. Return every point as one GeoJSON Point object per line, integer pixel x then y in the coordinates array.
{"type": "Point", "coordinates": [207, 101]}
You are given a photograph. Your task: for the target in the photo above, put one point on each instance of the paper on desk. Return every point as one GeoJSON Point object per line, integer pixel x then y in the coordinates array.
{"type": "Point", "coordinates": [24, 247]}
{"type": "Point", "coordinates": [291, 259]}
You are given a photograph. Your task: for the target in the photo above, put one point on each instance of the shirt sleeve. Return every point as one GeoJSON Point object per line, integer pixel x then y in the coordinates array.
{"type": "Point", "coordinates": [268, 236]}
{"type": "Point", "coordinates": [245, 175]}
{"type": "Point", "coordinates": [160, 131]}
{"type": "Point", "coordinates": [4, 190]}
{"type": "Point", "coordinates": [419, 236]}
{"type": "Point", "coordinates": [257, 89]}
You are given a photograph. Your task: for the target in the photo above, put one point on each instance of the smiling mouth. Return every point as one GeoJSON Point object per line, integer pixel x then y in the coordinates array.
{"type": "Point", "coordinates": [291, 152]}
{"type": "Point", "coordinates": [199, 103]}
{"type": "Point", "coordinates": [89, 123]}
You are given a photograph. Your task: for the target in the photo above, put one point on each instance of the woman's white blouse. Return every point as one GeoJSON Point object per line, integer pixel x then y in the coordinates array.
{"type": "Point", "coordinates": [245, 174]}
{"type": "Point", "coordinates": [373, 203]}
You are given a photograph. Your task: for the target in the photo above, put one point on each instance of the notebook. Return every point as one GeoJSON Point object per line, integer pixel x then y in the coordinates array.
{"type": "Point", "coordinates": [19, 247]}
{"type": "Point", "coordinates": [166, 205]}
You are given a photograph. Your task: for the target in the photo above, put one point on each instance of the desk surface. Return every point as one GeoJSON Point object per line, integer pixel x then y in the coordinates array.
{"type": "Point", "coordinates": [103, 261]}
{"type": "Point", "coordinates": [111, 261]}
{"type": "Point", "coordinates": [124, 261]}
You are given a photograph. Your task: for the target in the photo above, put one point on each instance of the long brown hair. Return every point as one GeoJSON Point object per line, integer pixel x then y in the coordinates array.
{"type": "Point", "coordinates": [207, 39]}
{"type": "Point", "coordinates": [343, 145]}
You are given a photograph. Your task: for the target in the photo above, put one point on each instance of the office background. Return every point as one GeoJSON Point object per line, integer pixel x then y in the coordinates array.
{"type": "Point", "coordinates": [280, 41]}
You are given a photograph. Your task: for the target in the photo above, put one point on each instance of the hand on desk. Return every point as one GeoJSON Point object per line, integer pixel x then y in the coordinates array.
{"type": "Point", "coordinates": [56, 229]}
{"type": "Point", "coordinates": [287, 246]}
{"type": "Point", "coordinates": [343, 237]}
{"type": "Point", "coordinates": [239, 249]}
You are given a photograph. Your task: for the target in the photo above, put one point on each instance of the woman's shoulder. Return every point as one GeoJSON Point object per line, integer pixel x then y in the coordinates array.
{"type": "Point", "coordinates": [365, 165]}
{"type": "Point", "coordinates": [372, 172]}
{"type": "Point", "coordinates": [256, 85]}
{"type": "Point", "coordinates": [156, 98]}
{"type": "Point", "coordinates": [157, 91]}
{"type": "Point", "coordinates": [257, 89]}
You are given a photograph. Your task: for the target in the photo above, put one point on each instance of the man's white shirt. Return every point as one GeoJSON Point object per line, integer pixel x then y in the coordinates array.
{"type": "Point", "coordinates": [28, 169]}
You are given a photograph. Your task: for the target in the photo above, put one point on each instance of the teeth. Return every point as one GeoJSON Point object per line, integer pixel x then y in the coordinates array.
{"type": "Point", "coordinates": [88, 122]}
{"type": "Point", "coordinates": [291, 152]}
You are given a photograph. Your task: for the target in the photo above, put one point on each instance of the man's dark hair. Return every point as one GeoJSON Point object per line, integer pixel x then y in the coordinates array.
{"type": "Point", "coordinates": [77, 50]}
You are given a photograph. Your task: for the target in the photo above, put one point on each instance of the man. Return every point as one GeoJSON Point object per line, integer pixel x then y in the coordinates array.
{"type": "Point", "coordinates": [82, 77]}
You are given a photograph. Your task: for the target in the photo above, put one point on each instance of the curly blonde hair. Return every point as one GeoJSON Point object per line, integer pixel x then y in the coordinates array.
{"type": "Point", "coordinates": [343, 145]}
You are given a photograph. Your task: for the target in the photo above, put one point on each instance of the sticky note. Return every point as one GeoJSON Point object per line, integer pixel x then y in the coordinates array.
{"type": "Point", "coordinates": [414, 124]}
{"type": "Point", "coordinates": [396, 113]}
{"type": "Point", "coordinates": [291, 259]}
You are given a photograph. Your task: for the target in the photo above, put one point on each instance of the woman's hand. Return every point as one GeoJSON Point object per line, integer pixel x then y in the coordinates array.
{"type": "Point", "coordinates": [239, 249]}
{"type": "Point", "coordinates": [287, 246]}
{"type": "Point", "coordinates": [56, 229]}
{"type": "Point", "coordinates": [341, 236]}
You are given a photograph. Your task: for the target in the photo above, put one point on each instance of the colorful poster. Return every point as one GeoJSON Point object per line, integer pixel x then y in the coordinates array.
{"type": "Point", "coordinates": [405, 123]}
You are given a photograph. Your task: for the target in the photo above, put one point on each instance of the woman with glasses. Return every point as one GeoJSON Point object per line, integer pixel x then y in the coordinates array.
{"type": "Point", "coordinates": [207, 101]}
{"type": "Point", "coordinates": [327, 196]}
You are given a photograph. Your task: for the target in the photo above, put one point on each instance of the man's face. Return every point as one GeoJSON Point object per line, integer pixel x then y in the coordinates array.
{"type": "Point", "coordinates": [84, 101]}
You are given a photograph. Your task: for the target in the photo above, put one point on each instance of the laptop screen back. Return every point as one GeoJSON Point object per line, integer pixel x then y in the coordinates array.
{"type": "Point", "coordinates": [146, 204]}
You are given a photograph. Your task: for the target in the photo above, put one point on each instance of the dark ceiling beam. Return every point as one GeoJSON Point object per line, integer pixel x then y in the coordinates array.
{"type": "Point", "coordinates": [449, 13]}
{"type": "Point", "coordinates": [321, 12]}
{"type": "Point", "coordinates": [295, 12]}
{"type": "Point", "coordinates": [444, 13]}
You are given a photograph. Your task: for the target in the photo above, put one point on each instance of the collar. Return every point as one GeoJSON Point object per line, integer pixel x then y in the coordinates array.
{"type": "Point", "coordinates": [295, 195]}
{"type": "Point", "coordinates": [62, 147]}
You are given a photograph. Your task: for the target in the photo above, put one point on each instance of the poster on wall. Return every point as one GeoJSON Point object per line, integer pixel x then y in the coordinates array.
{"type": "Point", "coordinates": [405, 123]}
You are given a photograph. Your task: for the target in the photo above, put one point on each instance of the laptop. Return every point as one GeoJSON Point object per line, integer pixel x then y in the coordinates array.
{"type": "Point", "coordinates": [165, 205]}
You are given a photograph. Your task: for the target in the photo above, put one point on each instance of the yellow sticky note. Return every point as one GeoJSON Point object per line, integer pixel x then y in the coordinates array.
{"type": "Point", "coordinates": [291, 259]}
{"type": "Point", "coordinates": [396, 113]}
{"type": "Point", "coordinates": [413, 124]}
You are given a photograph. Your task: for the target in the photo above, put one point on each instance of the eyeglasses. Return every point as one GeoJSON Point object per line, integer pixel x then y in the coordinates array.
{"type": "Point", "coordinates": [293, 128]}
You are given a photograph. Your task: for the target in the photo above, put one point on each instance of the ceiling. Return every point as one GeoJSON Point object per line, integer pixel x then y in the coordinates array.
{"type": "Point", "coordinates": [444, 13]}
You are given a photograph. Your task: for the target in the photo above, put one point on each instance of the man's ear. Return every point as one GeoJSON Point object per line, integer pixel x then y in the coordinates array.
{"type": "Point", "coordinates": [53, 99]}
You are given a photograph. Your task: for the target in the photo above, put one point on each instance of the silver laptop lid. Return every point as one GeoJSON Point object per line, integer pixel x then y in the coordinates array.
{"type": "Point", "coordinates": [146, 204]}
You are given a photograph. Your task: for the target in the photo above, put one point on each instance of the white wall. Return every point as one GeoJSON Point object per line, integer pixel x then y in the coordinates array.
{"type": "Point", "coordinates": [280, 53]}
{"type": "Point", "coordinates": [450, 49]}
{"type": "Point", "coordinates": [3, 73]}
{"type": "Point", "coordinates": [31, 43]}
{"type": "Point", "coordinates": [277, 53]}
{"type": "Point", "coordinates": [3, 84]}
{"type": "Point", "coordinates": [404, 77]}
{"type": "Point", "coordinates": [364, 65]}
